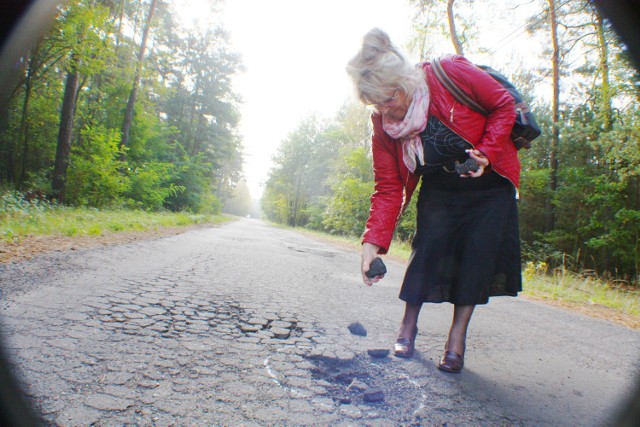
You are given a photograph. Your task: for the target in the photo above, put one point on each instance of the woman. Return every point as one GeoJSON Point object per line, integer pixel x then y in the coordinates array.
{"type": "Point", "coordinates": [466, 245]}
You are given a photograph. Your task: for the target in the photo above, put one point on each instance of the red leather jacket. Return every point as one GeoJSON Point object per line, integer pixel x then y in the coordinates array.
{"type": "Point", "coordinates": [394, 184]}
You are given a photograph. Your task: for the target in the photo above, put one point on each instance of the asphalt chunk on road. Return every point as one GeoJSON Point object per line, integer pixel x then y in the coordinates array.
{"type": "Point", "coordinates": [357, 329]}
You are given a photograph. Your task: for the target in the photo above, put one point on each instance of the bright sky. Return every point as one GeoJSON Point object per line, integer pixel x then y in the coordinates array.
{"type": "Point", "coordinates": [295, 52]}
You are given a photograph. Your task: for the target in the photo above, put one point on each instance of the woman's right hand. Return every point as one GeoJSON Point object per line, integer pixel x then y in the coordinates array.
{"type": "Point", "coordinates": [369, 253]}
{"type": "Point", "coordinates": [480, 159]}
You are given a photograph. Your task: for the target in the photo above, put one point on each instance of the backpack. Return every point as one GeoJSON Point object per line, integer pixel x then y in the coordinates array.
{"type": "Point", "coordinates": [525, 128]}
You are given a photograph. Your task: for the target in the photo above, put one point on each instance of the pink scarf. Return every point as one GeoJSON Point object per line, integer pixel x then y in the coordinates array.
{"type": "Point", "coordinates": [408, 130]}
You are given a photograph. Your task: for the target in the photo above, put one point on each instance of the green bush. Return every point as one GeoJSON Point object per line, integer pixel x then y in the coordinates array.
{"type": "Point", "coordinates": [94, 178]}
{"type": "Point", "coordinates": [151, 185]}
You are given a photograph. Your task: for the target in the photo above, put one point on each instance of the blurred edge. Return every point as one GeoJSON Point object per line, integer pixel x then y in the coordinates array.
{"type": "Point", "coordinates": [14, 410]}
{"type": "Point", "coordinates": [624, 15]}
{"type": "Point", "coordinates": [22, 22]}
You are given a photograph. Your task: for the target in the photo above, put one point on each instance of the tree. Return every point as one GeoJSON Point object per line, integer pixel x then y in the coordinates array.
{"type": "Point", "coordinates": [287, 183]}
{"type": "Point", "coordinates": [128, 113]}
{"type": "Point", "coordinates": [430, 27]}
{"type": "Point", "coordinates": [66, 127]}
{"type": "Point", "coordinates": [82, 19]}
{"type": "Point", "coordinates": [75, 86]}
{"type": "Point", "coordinates": [452, 28]}
{"type": "Point", "coordinates": [24, 124]}
{"type": "Point", "coordinates": [351, 182]}
{"type": "Point", "coordinates": [201, 106]}
{"type": "Point", "coordinates": [603, 50]}
{"type": "Point", "coordinates": [555, 114]}
{"type": "Point", "coordinates": [43, 57]}
{"type": "Point", "coordinates": [240, 201]}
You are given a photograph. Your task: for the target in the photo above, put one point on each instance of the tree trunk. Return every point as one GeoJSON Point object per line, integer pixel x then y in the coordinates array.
{"type": "Point", "coordinates": [24, 126]}
{"type": "Point", "coordinates": [452, 28]}
{"type": "Point", "coordinates": [555, 117]}
{"type": "Point", "coordinates": [606, 110]}
{"type": "Point", "coordinates": [120, 17]}
{"type": "Point", "coordinates": [190, 139]}
{"type": "Point", "coordinates": [6, 148]}
{"type": "Point", "coordinates": [297, 200]}
{"type": "Point", "coordinates": [18, 149]}
{"type": "Point", "coordinates": [128, 114]}
{"type": "Point", "coordinates": [63, 149]}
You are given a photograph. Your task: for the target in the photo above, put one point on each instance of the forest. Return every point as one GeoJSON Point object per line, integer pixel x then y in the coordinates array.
{"type": "Point", "coordinates": [580, 188]}
{"type": "Point", "coordinates": [119, 105]}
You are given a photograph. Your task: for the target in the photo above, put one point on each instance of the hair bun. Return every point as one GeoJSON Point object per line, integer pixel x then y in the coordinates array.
{"type": "Point", "coordinates": [381, 66]}
{"type": "Point", "coordinates": [376, 42]}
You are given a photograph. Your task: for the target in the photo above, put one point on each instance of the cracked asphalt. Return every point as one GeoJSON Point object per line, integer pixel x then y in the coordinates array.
{"type": "Point", "coordinates": [246, 324]}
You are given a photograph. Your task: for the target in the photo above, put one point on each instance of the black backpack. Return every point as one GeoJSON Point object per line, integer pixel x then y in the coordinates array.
{"type": "Point", "coordinates": [525, 128]}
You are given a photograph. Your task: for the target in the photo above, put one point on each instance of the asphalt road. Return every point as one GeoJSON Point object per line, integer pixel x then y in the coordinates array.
{"type": "Point", "coordinates": [246, 324]}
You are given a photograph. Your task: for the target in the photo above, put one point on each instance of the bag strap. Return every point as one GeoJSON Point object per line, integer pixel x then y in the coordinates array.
{"type": "Point", "coordinates": [457, 93]}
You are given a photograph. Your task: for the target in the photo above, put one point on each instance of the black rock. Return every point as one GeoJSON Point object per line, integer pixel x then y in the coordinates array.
{"type": "Point", "coordinates": [469, 165]}
{"type": "Point", "coordinates": [377, 268]}
{"type": "Point", "coordinates": [373, 396]}
{"type": "Point", "coordinates": [357, 329]}
{"type": "Point", "coordinates": [378, 353]}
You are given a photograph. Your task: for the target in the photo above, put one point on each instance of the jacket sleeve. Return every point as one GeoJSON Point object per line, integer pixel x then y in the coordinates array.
{"type": "Point", "coordinates": [387, 199]}
{"type": "Point", "coordinates": [496, 139]}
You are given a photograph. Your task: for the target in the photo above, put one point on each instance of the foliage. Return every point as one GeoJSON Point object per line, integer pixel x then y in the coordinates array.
{"type": "Point", "coordinates": [151, 184]}
{"type": "Point", "coordinates": [16, 206]}
{"type": "Point", "coordinates": [351, 184]}
{"type": "Point", "coordinates": [183, 152]}
{"type": "Point", "coordinates": [299, 175]}
{"type": "Point", "coordinates": [93, 176]}
{"type": "Point", "coordinates": [407, 225]}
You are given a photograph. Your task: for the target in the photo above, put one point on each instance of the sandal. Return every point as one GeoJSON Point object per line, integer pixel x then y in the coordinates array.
{"type": "Point", "coordinates": [405, 347]}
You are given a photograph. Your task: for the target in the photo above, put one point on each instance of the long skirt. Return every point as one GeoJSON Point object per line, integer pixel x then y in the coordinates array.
{"type": "Point", "coordinates": [467, 246]}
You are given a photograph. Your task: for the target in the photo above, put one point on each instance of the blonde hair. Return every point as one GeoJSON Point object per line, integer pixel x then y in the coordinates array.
{"type": "Point", "coordinates": [380, 67]}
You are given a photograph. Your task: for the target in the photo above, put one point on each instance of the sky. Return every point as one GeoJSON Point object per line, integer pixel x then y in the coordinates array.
{"type": "Point", "coordinates": [295, 53]}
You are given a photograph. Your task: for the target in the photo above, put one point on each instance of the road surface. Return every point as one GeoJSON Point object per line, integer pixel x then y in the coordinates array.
{"type": "Point", "coordinates": [246, 324]}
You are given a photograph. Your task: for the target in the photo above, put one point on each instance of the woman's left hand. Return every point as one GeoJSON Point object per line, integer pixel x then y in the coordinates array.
{"type": "Point", "coordinates": [481, 160]}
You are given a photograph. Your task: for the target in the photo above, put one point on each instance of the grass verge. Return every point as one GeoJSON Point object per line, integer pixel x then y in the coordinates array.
{"type": "Point", "coordinates": [589, 295]}
{"type": "Point", "coordinates": [66, 221]}
{"type": "Point", "coordinates": [31, 228]}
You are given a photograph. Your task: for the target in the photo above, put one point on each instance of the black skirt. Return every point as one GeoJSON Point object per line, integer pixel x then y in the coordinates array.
{"type": "Point", "coordinates": [467, 245]}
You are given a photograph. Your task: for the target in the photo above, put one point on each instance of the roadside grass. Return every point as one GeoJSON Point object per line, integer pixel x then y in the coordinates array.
{"type": "Point", "coordinates": [585, 293]}
{"type": "Point", "coordinates": [19, 219]}
{"type": "Point", "coordinates": [572, 288]}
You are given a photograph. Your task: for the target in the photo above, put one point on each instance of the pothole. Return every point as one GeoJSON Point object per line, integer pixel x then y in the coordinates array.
{"type": "Point", "coordinates": [364, 380]}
